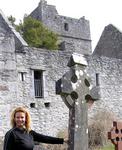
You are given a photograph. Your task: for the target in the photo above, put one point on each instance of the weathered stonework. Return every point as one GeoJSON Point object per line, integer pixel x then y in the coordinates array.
{"type": "Point", "coordinates": [17, 59]}
{"type": "Point", "coordinates": [110, 84]}
{"type": "Point", "coordinates": [54, 65]}
{"type": "Point", "coordinates": [106, 62]}
{"type": "Point", "coordinates": [74, 32]}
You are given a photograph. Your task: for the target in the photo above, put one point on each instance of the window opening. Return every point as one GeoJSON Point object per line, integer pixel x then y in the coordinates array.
{"type": "Point", "coordinates": [97, 79]}
{"type": "Point", "coordinates": [66, 26]}
{"type": "Point", "coordinates": [38, 83]}
{"type": "Point", "coordinates": [22, 76]}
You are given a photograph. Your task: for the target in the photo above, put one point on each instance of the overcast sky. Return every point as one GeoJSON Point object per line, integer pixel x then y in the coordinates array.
{"type": "Point", "coordinates": [99, 12]}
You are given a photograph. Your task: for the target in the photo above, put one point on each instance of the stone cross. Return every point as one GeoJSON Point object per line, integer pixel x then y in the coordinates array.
{"type": "Point", "coordinates": [74, 88]}
{"type": "Point", "coordinates": [115, 135]}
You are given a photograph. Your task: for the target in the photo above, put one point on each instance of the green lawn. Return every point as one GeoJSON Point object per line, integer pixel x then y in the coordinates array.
{"type": "Point", "coordinates": [109, 147]}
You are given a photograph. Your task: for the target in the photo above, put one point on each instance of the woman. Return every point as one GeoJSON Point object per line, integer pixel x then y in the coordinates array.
{"type": "Point", "coordinates": [21, 137]}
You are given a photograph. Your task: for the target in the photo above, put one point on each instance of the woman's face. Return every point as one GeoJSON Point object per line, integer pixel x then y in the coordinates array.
{"type": "Point", "coordinates": [20, 119]}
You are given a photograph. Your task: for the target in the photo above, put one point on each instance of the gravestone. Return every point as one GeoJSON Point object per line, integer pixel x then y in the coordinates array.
{"type": "Point", "coordinates": [115, 135]}
{"type": "Point", "coordinates": [74, 88]}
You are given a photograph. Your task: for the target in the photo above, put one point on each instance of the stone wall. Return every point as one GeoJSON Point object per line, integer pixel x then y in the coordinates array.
{"type": "Point", "coordinates": [71, 30]}
{"type": "Point", "coordinates": [21, 93]}
{"type": "Point", "coordinates": [15, 92]}
{"type": "Point", "coordinates": [15, 61]}
{"type": "Point", "coordinates": [8, 76]}
{"type": "Point", "coordinates": [54, 65]}
{"type": "Point", "coordinates": [110, 84]}
{"type": "Point", "coordinates": [110, 43]}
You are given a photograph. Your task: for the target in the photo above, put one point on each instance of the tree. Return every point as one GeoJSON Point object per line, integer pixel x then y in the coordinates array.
{"type": "Point", "coordinates": [36, 34]}
{"type": "Point", "coordinates": [12, 20]}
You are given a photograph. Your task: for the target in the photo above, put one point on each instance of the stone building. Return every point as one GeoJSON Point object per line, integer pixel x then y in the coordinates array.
{"type": "Point", "coordinates": [104, 64]}
{"type": "Point", "coordinates": [28, 74]}
{"type": "Point", "coordinates": [105, 69]}
{"type": "Point", "coordinates": [74, 33]}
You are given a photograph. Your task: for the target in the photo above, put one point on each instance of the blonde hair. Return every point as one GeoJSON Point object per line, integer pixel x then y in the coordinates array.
{"type": "Point", "coordinates": [27, 115]}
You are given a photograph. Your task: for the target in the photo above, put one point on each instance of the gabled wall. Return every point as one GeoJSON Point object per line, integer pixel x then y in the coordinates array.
{"type": "Point", "coordinates": [106, 61]}
{"type": "Point", "coordinates": [110, 84]}
{"type": "Point", "coordinates": [110, 43]}
{"type": "Point", "coordinates": [8, 72]}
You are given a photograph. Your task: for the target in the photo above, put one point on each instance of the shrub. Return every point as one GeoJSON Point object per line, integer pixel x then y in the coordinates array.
{"type": "Point", "coordinates": [36, 34]}
{"type": "Point", "coordinates": [99, 127]}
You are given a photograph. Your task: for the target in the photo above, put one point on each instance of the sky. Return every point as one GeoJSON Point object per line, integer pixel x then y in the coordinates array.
{"type": "Point", "coordinates": [100, 13]}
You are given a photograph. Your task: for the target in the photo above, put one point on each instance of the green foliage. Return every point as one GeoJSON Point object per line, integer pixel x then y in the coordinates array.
{"type": "Point", "coordinates": [36, 35]}
{"type": "Point", "coordinates": [109, 147]}
{"type": "Point", "coordinates": [12, 20]}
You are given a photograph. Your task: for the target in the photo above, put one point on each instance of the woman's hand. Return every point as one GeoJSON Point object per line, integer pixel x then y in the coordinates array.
{"type": "Point", "coordinates": [66, 140]}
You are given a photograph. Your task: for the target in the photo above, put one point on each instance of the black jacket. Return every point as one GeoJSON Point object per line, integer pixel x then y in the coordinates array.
{"type": "Point", "coordinates": [20, 139]}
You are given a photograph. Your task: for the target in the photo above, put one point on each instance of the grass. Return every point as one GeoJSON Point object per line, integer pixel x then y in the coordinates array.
{"type": "Point", "coordinates": [108, 147]}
